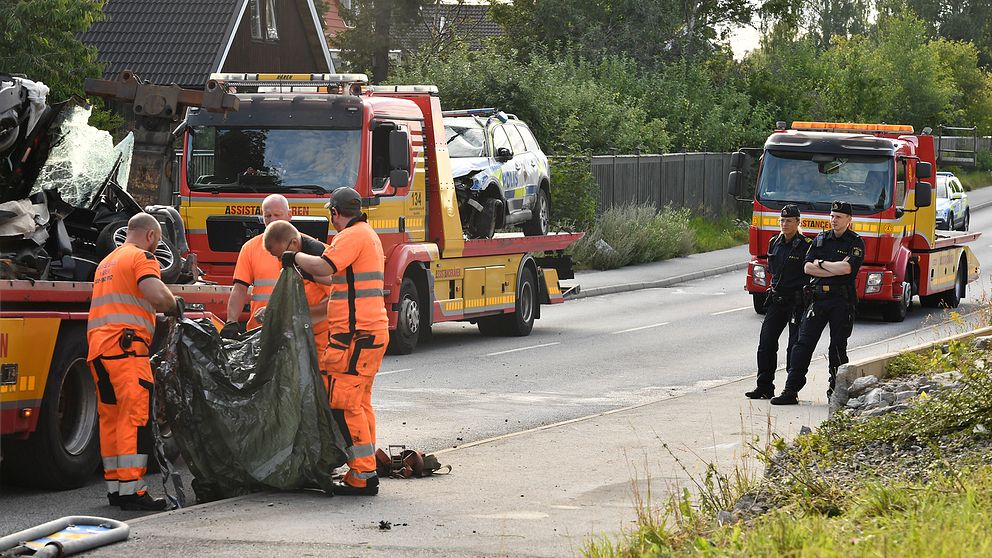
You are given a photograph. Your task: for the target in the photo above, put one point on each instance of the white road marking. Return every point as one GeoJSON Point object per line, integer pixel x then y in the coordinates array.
{"type": "Point", "coordinates": [639, 328]}
{"type": "Point", "coordinates": [523, 349]}
{"type": "Point", "coordinates": [393, 372]}
{"type": "Point", "coordinates": [729, 311]}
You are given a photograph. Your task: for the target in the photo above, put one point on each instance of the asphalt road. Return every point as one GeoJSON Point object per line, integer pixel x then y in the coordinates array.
{"type": "Point", "coordinates": [583, 357]}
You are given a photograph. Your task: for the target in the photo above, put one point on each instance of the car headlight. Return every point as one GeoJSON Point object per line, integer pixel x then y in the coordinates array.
{"type": "Point", "coordinates": [874, 283]}
{"type": "Point", "coordinates": [760, 275]}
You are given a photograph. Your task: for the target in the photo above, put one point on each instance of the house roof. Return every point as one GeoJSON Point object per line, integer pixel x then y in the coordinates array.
{"type": "Point", "coordinates": [165, 41]}
{"type": "Point", "coordinates": [469, 22]}
{"type": "Point", "coordinates": [176, 41]}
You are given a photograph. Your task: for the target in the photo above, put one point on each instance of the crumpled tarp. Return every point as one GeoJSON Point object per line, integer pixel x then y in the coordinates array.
{"type": "Point", "coordinates": [252, 413]}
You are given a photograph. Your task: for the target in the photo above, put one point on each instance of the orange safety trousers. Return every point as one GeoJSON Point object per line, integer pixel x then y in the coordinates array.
{"type": "Point", "coordinates": [349, 364]}
{"type": "Point", "coordinates": [124, 385]}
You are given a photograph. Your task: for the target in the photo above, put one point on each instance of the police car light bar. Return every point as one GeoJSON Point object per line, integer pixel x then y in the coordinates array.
{"type": "Point", "coordinates": [851, 127]}
{"type": "Point", "coordinates": [470, 112]}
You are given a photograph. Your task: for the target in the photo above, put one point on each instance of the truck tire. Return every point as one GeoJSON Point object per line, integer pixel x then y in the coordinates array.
{"type": "Point", "coordinates": [540, 220]}
{"type": "Point", "coordinates": [952, 298]}
{"type": "Point", "coordinates": [521, 321]}
{"type": "Point", "coordinates": [114, 234]}
{"type": "Point", "coordinates": [896, 311]}
{"type": "Point", "coordinates": [64, 451]}
{"type": "Point", "coordinates": [758, 299]}
{"type": "Point", "coordinates": [483, 223]}
{"type": "Point", "coordinates": [403, 339]}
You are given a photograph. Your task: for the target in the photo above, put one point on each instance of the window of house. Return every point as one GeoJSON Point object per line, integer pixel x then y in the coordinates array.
{"type": "Point", "coordinates": [256, 20]}
{"type": "Point", "coordinates": [271, 29]}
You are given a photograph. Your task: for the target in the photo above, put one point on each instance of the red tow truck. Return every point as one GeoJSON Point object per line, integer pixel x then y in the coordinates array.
{"type": "Point", "coordinates": [887, 173]}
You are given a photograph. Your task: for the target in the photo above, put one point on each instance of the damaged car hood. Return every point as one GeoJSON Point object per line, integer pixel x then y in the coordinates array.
{"type": "Point", "coordinates": [480, 169]}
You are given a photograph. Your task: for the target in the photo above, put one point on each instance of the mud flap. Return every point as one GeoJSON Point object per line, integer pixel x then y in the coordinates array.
{"type": "Point", "coordinates": [550, 290]}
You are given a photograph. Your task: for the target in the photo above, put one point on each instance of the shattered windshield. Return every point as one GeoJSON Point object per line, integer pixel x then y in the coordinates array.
{"type": "Point", "coordinates": [813, 181]}
{"type": "Point", "coordinates": [81, 157]}
{"type": "Point", "coordinates": [273, 160]}
{"type": "Point", "coordinates": [465, 141]}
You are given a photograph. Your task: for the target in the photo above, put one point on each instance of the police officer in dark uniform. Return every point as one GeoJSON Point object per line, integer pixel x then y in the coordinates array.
{"type": "Point", "coordinates": [833, 262]}
{"type": "Point", "coordinates": [786, 255]}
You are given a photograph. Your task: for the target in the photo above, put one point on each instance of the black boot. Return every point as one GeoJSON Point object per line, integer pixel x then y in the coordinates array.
{"type": "Point", "coordinates": [760, 393]}
{"type": "Point", "coordinates": [371, 488]}
{"type": "Point", "coordinates": [114, 498]}
{"type": "Point", "coordinates": [832, 383]}
{"type": "Point", "coordinates": [788, 397]}
{"type": "Point", "coordinates": [142, 502]}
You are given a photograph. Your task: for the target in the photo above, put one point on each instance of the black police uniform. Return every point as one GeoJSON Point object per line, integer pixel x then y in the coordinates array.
{"type": "Point", "coordinates": [784, 304]}
{"type": "Point", "coordinates": [833, 303]}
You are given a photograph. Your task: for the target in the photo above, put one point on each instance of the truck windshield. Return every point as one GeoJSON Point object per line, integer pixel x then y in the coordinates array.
{"type": "Point", "coordinates": [813, 181]}
{"type": "Point", "coordinates": [273, 160]}
{"type": "Point", "coordinates": [465, 141]}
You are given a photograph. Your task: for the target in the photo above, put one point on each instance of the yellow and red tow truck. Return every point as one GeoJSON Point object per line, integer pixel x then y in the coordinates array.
{"type": "Point", "coordinates": [887, 173]}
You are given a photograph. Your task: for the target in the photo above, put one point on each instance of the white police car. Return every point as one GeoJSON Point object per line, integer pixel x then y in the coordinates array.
{"type": "Point", "coordinates": [501, 175]}
{"type": "Point", "coordinates": [953, 212]}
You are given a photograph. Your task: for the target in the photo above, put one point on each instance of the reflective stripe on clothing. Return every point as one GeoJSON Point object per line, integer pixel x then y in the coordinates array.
{"type": "Point", "coordinates": [122, 319]}
{"type": "Point", "coordinates": [259, 269]}
{"type": "Point", "coordinates": [134, 460]}
{"type": "Point", "coordinates": [354, 452]}
{"type": "Point", "coordinates": [109, 463]}
{"type": "Point", "coordinates": [363, 476]}
{"type": "Point", "coordinates": [118, 302]}
{"type": "Point", "coordinates": [113, 486]}
{"type": "Point", "coordinates": [128, 488]}
{"type": "Point", "coordinates": [359, 293]}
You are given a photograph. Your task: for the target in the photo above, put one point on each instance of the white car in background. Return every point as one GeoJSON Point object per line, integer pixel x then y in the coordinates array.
{"type": "Point", "coordinates": [953, 212]}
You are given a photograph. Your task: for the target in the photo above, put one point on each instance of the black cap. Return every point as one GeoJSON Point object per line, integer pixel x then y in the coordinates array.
{"type": "Point", "coordinates": [791, 210]}
{"type": "Point", "coordinates": [841, 207]}
{"type": "Point", "coordinates": [346, 200]}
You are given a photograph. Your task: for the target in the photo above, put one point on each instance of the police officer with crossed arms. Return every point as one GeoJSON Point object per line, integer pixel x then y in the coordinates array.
{"type": "Point", "coordinates": [833, 261]}
{"type": "Point", "coordinates": [786, 255]}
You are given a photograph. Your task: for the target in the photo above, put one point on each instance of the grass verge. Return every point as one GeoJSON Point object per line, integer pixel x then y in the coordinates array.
{"type": "Point", "coordinates": [913, 483]}
{"type": "Point", "coordinates": [634, 234]}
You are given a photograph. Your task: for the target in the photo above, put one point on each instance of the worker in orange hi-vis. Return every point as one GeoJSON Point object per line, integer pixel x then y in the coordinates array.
{"type": "Point", "coordinates": [280, 237]}
{"type": "Point", "coordinates": [358, 332]}
{"type": "Point", "coordinates": [256, 269]}
{"type": "Point", "coordinates": [127, 291]}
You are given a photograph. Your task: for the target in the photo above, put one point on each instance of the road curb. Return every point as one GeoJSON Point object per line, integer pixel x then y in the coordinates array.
{"type": "Point", "coordinates": [659, 283]}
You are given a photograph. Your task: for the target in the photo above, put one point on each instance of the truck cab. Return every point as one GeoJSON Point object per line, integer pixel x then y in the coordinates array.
{"type": "Point", "coordinates": [886, 173]}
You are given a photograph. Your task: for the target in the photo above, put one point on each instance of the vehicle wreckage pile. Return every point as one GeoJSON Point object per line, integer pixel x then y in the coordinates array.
{"type": "Point", "coordinates": [64, 203]}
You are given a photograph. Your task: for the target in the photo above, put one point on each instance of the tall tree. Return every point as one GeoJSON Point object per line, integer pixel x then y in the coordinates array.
{"type": "Point", "coordinates": [648, 31]}
{"type": "Point", "coordinates": [818, 20]}
{"type": "Point", "coordinates": [957, 20]}
{"type": "Point", "coordinates": [38, 38]}
{"type": "Point", "coordinates": [373, 25]}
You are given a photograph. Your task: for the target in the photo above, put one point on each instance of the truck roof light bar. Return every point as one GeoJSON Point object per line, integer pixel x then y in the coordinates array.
{"type": "Point", "coordinates": [807, 126]}
{"type": "Point", "coordinates": [432, 89]}
{"type": "Point", "coordinates": [268, 83]}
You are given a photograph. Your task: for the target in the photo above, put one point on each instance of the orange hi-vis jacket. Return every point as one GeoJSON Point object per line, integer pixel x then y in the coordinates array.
{"type": "Point", "coordinates": [356, 302]}
{"type": "Point", "coordinates": [258, 269]}
{"type": "Point", "coordinates": [118, 303]}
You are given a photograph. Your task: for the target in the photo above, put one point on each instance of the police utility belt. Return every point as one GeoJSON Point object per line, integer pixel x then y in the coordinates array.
{"type": "Point", "coordinates": [785, 297]}
{"type": "Point", "coordinates": [820, 292]}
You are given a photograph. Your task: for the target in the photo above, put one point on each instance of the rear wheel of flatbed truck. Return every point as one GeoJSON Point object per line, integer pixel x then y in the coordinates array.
{"type": "Point", "coordinates": [64, 451]}
{"type": "Point", "coordinates": [521, 321]}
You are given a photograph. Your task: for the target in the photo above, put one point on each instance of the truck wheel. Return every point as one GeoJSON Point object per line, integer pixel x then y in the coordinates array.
{"type": "Point", "coordinates": [758, 299]}
{"type": "Point", "coordinates": [483, 223]}
{"type": "Point", "coordinates": [403, 339]}
{"type": "Point", "coordinates": [521, 321]}
{"type": "Point", "coordinates": [541, 216]}
{"type": "Point", "coordinates": [952, 298]}
{"type": "Point", "coordinates": [896, 311]}
{"type": "Point", "coordinates": [64, 451]}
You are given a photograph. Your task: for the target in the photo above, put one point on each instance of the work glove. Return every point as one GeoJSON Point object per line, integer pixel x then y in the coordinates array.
{"type": "Point", "coordinates": [179, 309]}
{"type": "Point", "coordinates": [231, 330]}
{"type": "Point", "coordinates": [288, 259]}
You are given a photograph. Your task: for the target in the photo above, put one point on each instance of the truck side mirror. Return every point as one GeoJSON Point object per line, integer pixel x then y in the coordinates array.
{"type": "Point", "coordinates": [399, 178]}
{"type": "Point", "coordinates": [503, 154]}
{"type": "Point", "coordinates": [399, 151]}
{"type": "Point", "coordinates": [923, 193]}
{"type": "Point", "coordinates": [923, 170]}
{"type": "Point", "coordinates": [737, 160]}
{"type": "Point", "coordinates": [734, 180]}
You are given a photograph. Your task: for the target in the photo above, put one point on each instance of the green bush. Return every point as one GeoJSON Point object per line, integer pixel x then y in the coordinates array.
{"type": "Point", "coordinates": [634, 234]}
{"type": "Point", "coordinates": [573, 193]}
